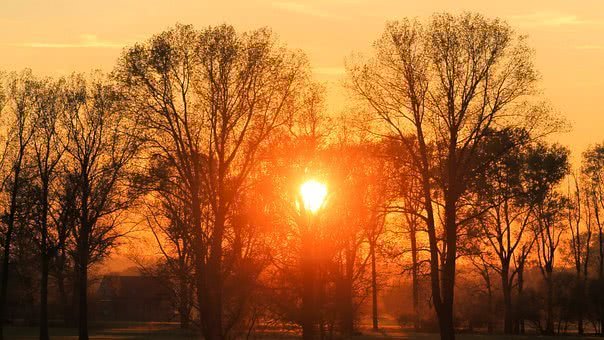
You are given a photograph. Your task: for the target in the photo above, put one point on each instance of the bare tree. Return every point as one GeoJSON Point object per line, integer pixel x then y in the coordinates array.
{"type": "Point", "coordinates": [580, 243]}
{"type": "Point", "coordinates": [48, 149]}
{"type": "Point", "coordinates": [211, 99]}
{"type": "Point", "coordinates": [549, 165]}
{"type": "Point", "coordinates": [593, 169]}
{"type": "Point", "coordinates": [446, 83]}
{"type": "Point", "coordinates": [548, 233]}
{"type": "Point", "coordinates": [99, 149]}
{"type": "Point", "coordinates": [21, 102]}
{"type": "Point", "coordinates": [168, 219]}
{"type": "Point", "coordinates": [505, 193]}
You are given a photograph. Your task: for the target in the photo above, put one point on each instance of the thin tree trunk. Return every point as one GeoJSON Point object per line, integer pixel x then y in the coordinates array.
{"type": "Point", "coordinates": [447, 324]}
{"type": "Point", "coordinates": [507, 300]}
{"type": "Point", "coordinates": [549, 320]}
{"type": "Point", "coordinates": [308, 290]}
{"type": "Point", "coordinates": [7, 243]}
{"type": "Point", "coordinates": [519, 315]}
{"type": "Point", "coordinates": [67, 319]}
{"type": "Point", "coordinates": [184, 310]}
{"type": "Point", "coordinates": [214, 282]}
{"type": "Point", "coordinates": [83, 298]}
{"type": "Point", "coordinates": [44, 259]}
{"type": "Point", "coordinates": [374, 288]}
{"type": "Point", "coordinates": [44, 297]}
{"type": "Point", "coordinates": [347, 303]}
{"type": "Point", "coordinates": [415, 279]}
{"type": "Point", "coordinates": [490, 308]}
{"type": "Point", "coordinates": [83, 256]}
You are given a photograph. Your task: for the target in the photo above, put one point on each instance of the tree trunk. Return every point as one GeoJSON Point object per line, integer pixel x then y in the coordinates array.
{"type": "Point", "coordinates": [447, 324]}
{"type": "Point", "coordinates": [549, 319]}
{"type": "Point", "coordinates": [308, 320]}
{"type": "Point", "coordinates": [519, 317]}
{"type": "Point", "coordinates": [183, 301]}
{"type": "Point", "coordinates": [346, 294]}
{"type": "Point", "coordinates": [83, 295]}
{"type": "Point", "coordinates": [83, 253]}
{"type": "Point", "coordinates": [44, 297]}
{"type": "Point", "coordinates": [506, 288]}
{"type": "Point", "coordinates": [580, 300]}
{"type": "Point", "coordinates": [5, 268]}
{"type": "Point", "coordinates": [7, 244]}
{"type": "Point", "coordinates": [490, 327]}
{"type": "Point", "coordinates": [414, 277]}
{"type": "Point", "coordinates": [600, 257]}
{"type": "Point", "coordinates": [214, 329]}
{"type": "Point", "coordinates": [374, 288]}
{"type": "Point", "coordinates": [44, 260]}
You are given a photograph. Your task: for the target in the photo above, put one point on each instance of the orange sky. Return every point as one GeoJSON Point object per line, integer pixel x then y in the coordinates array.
{"type": "Point", "coordinates": [61, 36]}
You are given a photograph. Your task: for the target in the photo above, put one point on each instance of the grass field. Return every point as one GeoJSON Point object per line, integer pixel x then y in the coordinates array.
{"type": "Point", "coordinates": [160, 331]}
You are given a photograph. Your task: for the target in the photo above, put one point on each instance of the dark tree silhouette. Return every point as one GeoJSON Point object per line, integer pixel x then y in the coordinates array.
{"type": "Point", "coordinates": [21, 103]}
{"type": "Point", "coordinates": [98, 151]}
{"type": "Point", "coordinates": [446, 83]}
{"type": "Point", "coordinates": [210, 100]}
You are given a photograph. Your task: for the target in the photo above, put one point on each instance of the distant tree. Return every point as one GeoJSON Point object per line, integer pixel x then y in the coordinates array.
{"type": "Point", "coordinates": [406, 200]}
{"type": "Point", "coordinates": [549, 213]}
{"type": "Point", "coordinates": [580, 244]}
{"type": "Point", "coordinates": [592, 168]}
{"type": "Point", "coordinates": [168, 218]}
{"type": "Point", "coordinates": [446, 83]}
{"type": "Point", "coordinates": [505, 193]}
{"type": "Point", "coordinates": [482, 265]}
{"type": "Point", "coordinates": [358, 205]}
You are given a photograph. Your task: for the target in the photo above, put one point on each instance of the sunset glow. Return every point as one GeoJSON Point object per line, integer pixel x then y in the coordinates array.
{"type": "Point", "coordinates": [301, 169]}
{"type": "Point", "coordinates": [313, 195]}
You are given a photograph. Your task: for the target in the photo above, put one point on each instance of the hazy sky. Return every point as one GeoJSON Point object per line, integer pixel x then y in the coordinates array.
{"type": "Point", "coordinates": [60, 36]}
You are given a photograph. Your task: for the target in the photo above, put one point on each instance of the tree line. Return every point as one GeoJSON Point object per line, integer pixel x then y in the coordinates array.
{"type": "Point", "coordinates": [201, 139]}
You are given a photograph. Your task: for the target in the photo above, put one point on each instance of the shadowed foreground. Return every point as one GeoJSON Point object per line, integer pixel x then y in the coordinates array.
{"type": "Point", "coordinates": [171, 331]}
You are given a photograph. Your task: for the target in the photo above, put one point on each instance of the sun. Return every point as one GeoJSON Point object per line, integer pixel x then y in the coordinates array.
{"type": "Point", "coordinates": [313, 195]}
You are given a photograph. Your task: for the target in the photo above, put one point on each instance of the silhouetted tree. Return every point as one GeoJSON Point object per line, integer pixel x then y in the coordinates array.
{"type": "Point", "coordinates": [547, 164]}
{"type": "Point", "coordinates": [446, 83]}
{"type": "Point", "coordinates": [580, 244]}
{"type": "Point", "coordinates": [99, 149]}
{"type": "Point", "coordinates": [21, 98]}
{"type": "Point", "coordinates": [210, 100]}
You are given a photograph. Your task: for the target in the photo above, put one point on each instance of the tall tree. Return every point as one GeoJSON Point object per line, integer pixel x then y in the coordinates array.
{"type": "Point", "coordinates": [210, 101]}
{"type": "Point", "coordinates": [48, 149]}
{"type": "Point", "coordinates": [446, 83]}
{"type": "Point", "coordinates": [99, 149]}
{"type": "Point", "coordinates": [21, 100]}
{"type": "Point", "coordinates": [504, 194]}
{"type": "Point", "coordinates": [592, 168]}
{"type": "Point", "coordinates": [580, 243]}
{"type": "Point", "coordinates": [549, 214]}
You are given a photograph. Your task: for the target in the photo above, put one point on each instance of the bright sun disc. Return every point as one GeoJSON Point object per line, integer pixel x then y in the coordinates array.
{"type": "Point", "coordinates": [313, 195]}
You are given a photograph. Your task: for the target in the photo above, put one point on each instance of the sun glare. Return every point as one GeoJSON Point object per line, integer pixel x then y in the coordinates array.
{"type": "Point", "coordinates": [313, 195]}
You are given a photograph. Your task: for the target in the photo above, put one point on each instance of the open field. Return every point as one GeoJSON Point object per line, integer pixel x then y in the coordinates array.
{"type": "Point", "coordinates": [158, 331]}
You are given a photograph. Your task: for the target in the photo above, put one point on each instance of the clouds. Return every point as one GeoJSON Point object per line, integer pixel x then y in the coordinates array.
{"type": "Point", "coordinates": [551, 19]}
{"type": "Point", "coordinates": [85, 41]}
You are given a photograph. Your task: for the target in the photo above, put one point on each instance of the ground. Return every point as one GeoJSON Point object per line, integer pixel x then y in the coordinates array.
{"type": "Point", "coordinates": [157, 331]}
